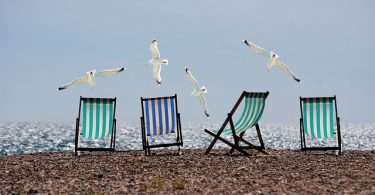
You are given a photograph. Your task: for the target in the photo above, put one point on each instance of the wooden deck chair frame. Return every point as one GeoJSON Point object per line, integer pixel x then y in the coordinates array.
{"type": "Point", "coordinates": [304, 147]}
{"type": "Point", "coordinates": [238, 138]}
{"type": "Point", "coordinates": [146, 145]}
{"type": "Point", "coordinates": [112, 143]}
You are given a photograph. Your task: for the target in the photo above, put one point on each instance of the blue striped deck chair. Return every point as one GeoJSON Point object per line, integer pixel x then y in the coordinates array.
{"type": "Point", "coordinates": [319, 120]}
{"type": "Point", "coordinates": [252, 112]}
{"type": "Point", "coordinates": [160, 118]}
{"type": "Point", "coordinates": [96, 120]}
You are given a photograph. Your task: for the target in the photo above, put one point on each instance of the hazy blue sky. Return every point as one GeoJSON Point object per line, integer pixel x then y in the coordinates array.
{"type": "Point", "coordinates": [330, 45]}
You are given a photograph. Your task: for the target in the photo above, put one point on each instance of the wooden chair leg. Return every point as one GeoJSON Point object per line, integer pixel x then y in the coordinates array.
{"type": "Point", "coordinates": [228, 143]}
{"type": "Point", "coordinates": [232, 149]}
{"type": "Point", "coordinates": [259, 136]}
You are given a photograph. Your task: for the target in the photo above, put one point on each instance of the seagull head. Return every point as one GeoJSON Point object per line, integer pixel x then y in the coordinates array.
{"type": "Point", "coordinates": [274, 55]}
{"type": "Point", "coordinates": [203, 89]}
{"type": "Point", "coordinates": [186, 69]}
{"type": "Point", "coordinates": [153, 42]}
{"type": "Point", "coordinates": [91, 72]}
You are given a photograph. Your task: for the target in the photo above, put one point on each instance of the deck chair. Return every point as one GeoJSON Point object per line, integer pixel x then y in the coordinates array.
{"type": "Point", "coordinates": [318, 119]}
{"type": "Point", "coordinates": [160, 118]}
{"type": "Point", "coordinates": [252, 112]}
{"type": "Point", "coordinates": [96, 120]}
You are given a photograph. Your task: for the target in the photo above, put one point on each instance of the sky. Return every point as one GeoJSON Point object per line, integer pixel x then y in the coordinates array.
{"type": "Point", "coordinates": [330, 45]}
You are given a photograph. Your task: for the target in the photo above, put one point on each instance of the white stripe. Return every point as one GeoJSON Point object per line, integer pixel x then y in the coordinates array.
{"type": "Point", "coordinates": [321, 118]}
{"type": "Point", "coordinates": [101, 119]}
{"type": "Point", "coordinates": [163, 116]}
{"type": "Point", "coordinates": [107, 119]}
{"type": "Point", "coordinates": [308, 117]}
{"type": "Point", "coordinates": [150, 117]}
{"type": "Point", "coordinates": [157, 117]}
{"type": "Point", "coordinates": [94, 118]}
{"type": "Point", "coordinates": [87, 118]}
{"type": "Point", "coordinates": [328, 119]}
{"type": "Point", "coordinates": [315, 122]}
{"type": "Point", "coordinates": [170, 115]}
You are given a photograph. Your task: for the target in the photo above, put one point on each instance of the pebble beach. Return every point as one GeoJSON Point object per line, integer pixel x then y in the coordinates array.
{"type": "Point", "coordinates": [192, 172]}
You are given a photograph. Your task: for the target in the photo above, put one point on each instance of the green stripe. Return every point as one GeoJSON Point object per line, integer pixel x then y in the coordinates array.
{"type": "Point", "coordinates": [245, 109]}
{"type": "Point", "coordinates": [260, 113]}
{"type": "Point", "coordinates": [84, 119]}
{"type": "Point", "coordinates": [317, 105]}
{"type": "Point", "coordinates": [325, 119]}
{"type": "Point", "coordinates": [91, 114]}
{"type": "Point", "coordinates": [312, 118]}
{"type": "Point", "coordinates": [248, 115]}
{"type": "Point", "coordinates": [256, 114]}
{"type": "Point", "coordinates": [331, 118]}
{"type": "Point", "coordinates": [97, 118]}
{"type": "Point", "coordinates": [304, 111]}
{"type": "Point", "coordinates": [110, 117]}
{"type": "Point", "coordinates": [104, 125]}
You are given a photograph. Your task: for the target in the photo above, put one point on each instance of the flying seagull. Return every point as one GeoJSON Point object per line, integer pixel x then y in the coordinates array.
{"type": "Point", "coordinates": [273, 59]}
{"type": "Point", "coordinates": [91, 76]}
{"type": "Point", "coordinates": [198, 91]}
{"type": "Point", "coordinates": [156, 61]}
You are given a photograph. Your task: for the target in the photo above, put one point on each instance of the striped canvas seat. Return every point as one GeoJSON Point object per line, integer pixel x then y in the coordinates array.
{"type": "Point", "coordinates": [252, 112]}
{"type": "Point", "coordinates": [96, 120]}
{"type": "Point", "coordinates": [253, 108]}
{"type": "Point", "coordinates": [319, 120]}
{"type": "Point", "coordinates": [318, 117]}
{"type": "Point", "coordinates": [97, 117]}
{"type": "Point", "coordinates": [160, 117]}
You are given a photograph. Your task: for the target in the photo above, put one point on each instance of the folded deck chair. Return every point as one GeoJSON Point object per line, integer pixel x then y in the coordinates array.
{"type": "Point", "coordinates": [96, 120]}
{"type": "Point", "coordinates": [160, 119]}
{"type": "Point", "coordinates": [318, 119]}
{"type": "Point", "coordinates": [252, 112]}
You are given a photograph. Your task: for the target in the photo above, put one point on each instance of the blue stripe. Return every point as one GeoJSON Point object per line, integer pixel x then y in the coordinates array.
{"type": "Point", "coordinates": [173, 115]}
{"type": "Point", "coordinates": [147, 119]}
{"type": "Point", "coordinates": [153, 116]}
{"type": "Point", "coordinates": [166, 115]}
{"type": "Point", "coordinates": [160, 117]}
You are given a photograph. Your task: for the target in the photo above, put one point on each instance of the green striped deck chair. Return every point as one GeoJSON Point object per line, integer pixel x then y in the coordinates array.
{"type": "Point", "coordinates": [96, 120]}
{"type": "Point", "coordinates": [252, 112]}
{"type": "Point", "coordinates": [160, 119]}
{"type": "Point", "coordinates": [319, 120]}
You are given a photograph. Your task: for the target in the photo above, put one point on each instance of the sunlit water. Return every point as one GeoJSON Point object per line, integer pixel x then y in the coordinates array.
{"type": "Point", "coordinates": [20, 138]}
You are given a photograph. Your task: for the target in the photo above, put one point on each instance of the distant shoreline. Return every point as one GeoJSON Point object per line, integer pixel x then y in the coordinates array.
{"type": "Point", "coordinates": [285, 171]}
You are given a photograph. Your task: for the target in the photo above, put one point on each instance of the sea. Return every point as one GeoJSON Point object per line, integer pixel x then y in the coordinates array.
{"type": "Point", "coordinates": [35, 137]}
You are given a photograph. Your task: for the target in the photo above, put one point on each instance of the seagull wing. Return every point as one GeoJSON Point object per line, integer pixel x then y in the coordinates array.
{"type": "Point", "coordinates": [105, 73]}
{"type": "Point", "coordinates": [73, 83]}
{"type": "Point", "coordinates": [156, 69]}
{"type": "Point", "coordinates": [191, 78]}
{"type": "Point", "coordinates": [155, 51]}
{"type": "Point", "coordinates": [284, 68]}
{"type": "Point", "coordinates": [256, 48]}
{"type": "Point", "coordinates": [202, 100]}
